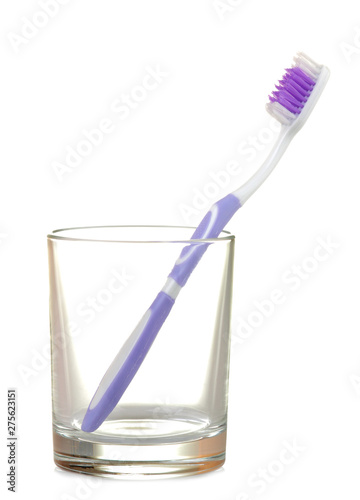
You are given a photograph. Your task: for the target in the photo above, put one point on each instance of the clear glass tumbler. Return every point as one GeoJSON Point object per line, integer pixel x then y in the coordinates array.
{"type": "Point", "coordinates": [171, 420]}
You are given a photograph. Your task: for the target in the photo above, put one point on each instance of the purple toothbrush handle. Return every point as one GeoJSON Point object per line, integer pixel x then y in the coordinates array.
{"type": "Point", "coordinates": [113, 385]}
{"type": "Point", "coordinates": [210, 227]}
{"type": "Point", "coordinates": [128, 360]}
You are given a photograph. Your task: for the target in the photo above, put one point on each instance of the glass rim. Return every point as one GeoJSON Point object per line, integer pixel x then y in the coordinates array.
{"type": "Point", "coordinates": [227, 236]}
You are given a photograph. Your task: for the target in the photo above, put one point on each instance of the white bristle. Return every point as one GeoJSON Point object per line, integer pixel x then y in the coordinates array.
{"type": "Point", "coordinates": [281, 114]}
{"type": "Point", "coordinates": [309, 60]}
{"type": "Point", "coordinates": [307, 65]}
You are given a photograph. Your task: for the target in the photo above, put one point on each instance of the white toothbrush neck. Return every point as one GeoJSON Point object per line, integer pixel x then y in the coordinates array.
{"type": "Point", "coordinates": [279, 148]}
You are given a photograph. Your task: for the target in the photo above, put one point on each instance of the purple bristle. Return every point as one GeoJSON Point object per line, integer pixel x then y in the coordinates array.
{"type": "Point", "coordinates": [293, 90]}
{"type": "Point", "coordinates": [288, 105]}
{"type": "Point", "coordinates": [293, 84]}
{"type": "Point", "coordinates": [303, 75]}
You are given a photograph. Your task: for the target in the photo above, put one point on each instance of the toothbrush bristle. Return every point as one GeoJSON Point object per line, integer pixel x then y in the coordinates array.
{"type": "Point", "coordinates": [294, 89]}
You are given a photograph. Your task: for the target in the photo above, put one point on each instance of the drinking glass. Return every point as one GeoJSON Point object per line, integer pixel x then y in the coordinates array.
{"type": "Point", "coordinates": [171, 420]}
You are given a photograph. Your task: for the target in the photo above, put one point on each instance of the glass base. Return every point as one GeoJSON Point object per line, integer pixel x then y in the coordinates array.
{"type": "Point", "coordinates": [171, 458]}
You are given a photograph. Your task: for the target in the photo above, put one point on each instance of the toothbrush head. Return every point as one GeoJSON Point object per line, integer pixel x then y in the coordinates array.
{"type": "Point", "coordinates": [298, 91]}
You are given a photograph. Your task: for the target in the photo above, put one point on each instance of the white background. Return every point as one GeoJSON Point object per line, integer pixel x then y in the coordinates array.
{"type": "Point", "coordinates": [296, 376]}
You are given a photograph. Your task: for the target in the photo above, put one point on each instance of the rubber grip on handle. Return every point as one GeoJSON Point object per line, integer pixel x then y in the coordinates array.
{"type": "Point", "coordinates": [210, 227]}
{"type": "Point", "coordinates": [126, 363]}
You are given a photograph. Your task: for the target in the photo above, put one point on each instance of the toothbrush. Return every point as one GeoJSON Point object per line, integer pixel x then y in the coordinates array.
{"type": "Point", "coordinates": [291, 104]}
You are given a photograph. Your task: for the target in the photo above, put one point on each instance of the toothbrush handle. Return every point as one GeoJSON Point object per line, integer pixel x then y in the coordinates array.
{"type": "Point", "coordinates": [126, 363]}
{"type": "Point", "coordinates": [130, 357]}
{"type": "Point", "coordinates": [210, 227]}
